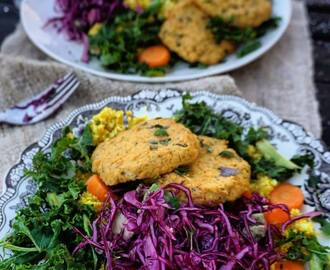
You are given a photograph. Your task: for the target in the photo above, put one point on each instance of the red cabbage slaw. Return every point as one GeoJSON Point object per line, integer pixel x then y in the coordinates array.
{"type": "Point", "coordinates": [78, 16]}
{"type": "Point", "coordinates": [154, 235]}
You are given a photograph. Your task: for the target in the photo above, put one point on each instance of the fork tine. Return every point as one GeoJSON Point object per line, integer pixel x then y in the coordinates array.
{"type": "Point", "coordinates": [62, 86]}
{"type": "Point", "coordinates": [49, 91]}
{"type": "Point", "coordinates": [63, 95]}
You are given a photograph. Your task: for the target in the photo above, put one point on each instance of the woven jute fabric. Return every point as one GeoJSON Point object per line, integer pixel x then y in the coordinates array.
{"type": "Point", "coordinates": [281, 80]}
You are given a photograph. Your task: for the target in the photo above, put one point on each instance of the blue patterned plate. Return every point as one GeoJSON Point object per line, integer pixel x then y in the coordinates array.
{"type": "Point", "coordinates": [289, 138]}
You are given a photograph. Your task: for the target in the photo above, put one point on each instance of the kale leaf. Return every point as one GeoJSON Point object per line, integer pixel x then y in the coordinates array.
{"type": "Point", "coordinates": [118, 43]}
{"type": "Point", "coordinates": [325, 224]}
{"type": "Point", "coordinates": [42, 234]}
{"type": "Point", "coordinates": [306, 248]}
{"type": "Point", "coordinates": [246, 38]}
{"type": "Point", "coordinates": [202, 120]}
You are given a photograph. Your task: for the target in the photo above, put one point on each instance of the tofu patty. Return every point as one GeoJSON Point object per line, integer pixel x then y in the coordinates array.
{"type": "Point", "coordinates": [147, 150]}
{"type": "Point", "coordinates": [241, 13]}
{"type": "Point", "coordinates": [186, 33]}
{"type": "Point", "coordinates": [217, 176]}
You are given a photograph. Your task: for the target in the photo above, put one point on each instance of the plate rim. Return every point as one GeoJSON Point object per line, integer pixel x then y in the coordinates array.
{"type": "Point", "coordinates": [137, 78]}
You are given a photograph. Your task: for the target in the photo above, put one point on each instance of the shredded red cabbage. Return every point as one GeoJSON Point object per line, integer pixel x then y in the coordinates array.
{"type": "Point", "coordinates": [78, 16]}
{"type": "Point", "coordinates": [154, 235]}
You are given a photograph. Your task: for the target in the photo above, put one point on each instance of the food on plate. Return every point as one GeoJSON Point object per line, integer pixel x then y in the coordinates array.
{"type": "Point", "coordinates": [147, 150]}
{"type": "Point", "coordinates": [155, 56]}
{"type": "Point", "coordinates": [226, 176]}
{"type": "Point", "coordinates": [79, 219]}
{"type": "Point", "coordinates": [288, 265]}
{"type": "Point", "coordinates": [288, 194]}
{"type": "Point", "coordinates": [240, 13]}
{"type": "Point", "coordinates": [149, 37]}
{"type": "Point", "coordinates": [96, 186]}
{"type": "Point", "coordinates": [185, 32]}
{"type": "Point", "coordinates": [108, 123]}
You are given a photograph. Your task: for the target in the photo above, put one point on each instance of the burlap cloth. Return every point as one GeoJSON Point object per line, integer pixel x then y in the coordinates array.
{"type": "Point", "coordinates": [281, 80]}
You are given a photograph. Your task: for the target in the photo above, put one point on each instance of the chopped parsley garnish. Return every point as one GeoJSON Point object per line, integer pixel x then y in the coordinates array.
{"type": "Point", "coordinates": [204, 145]}
{"type": "Point", "coordinates": [182, 170]}
{"type": "Point", "coordinates": [165, 141]}
{"type": "Point", "coordinates": [160, 132]}
{"type": "Point", "coordinates": [227, 154]}
{"type": "Point", "coordinates": [154, 144]}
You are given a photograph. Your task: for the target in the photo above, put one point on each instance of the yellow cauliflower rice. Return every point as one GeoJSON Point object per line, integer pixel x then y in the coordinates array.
{"type": "Point", "coordinates": [96, 28]}
{"type": "Point", "coordinates": [87, 198]}
{"type": "Point", "coordinates": [264, 185]}
{"type": "Point", "coordinates": [253, 152]}
{"type": "Point", "coordinates": [167, 5]}
{"type": "Point", "coordinates": [303, 225]}
{"type": "Point", "coordinates": [108, 123]}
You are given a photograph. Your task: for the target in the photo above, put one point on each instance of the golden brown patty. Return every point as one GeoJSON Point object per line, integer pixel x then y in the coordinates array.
{"type": "Point", "coordinates": [147, 150]}
{"type": "Point", "coordinates": [217, 176]}
{"type": "Point", "coordinates": [241, 13]}
{"type": "Point", "coordinates": [185, 32]}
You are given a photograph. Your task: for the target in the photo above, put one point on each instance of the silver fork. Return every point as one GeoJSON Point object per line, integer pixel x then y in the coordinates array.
{"type": "Point", "coordinates": [41, 106]}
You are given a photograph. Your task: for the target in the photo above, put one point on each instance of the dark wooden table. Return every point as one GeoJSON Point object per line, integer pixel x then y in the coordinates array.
{"type": "Point", "coordinates": [319, 20]}
{"type": "Point", "coordinates": [319, 15]}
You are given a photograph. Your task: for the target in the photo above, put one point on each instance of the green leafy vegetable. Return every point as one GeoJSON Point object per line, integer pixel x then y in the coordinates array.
{"type": "Point", "coordinates": [173, 201]}
{"type": "Point", "coordinates": [182, 170]}
{"type": "Point", "coordinates": [153, 188]}
{"type": "Point", "coordinates": [43, 236]}
{"type": "Point", "coordinates": [307, 249]}
{"type": "Point", "coordinates": [303, 160]}
{"type": "Point", "coordinates": [227, 154]}
{"type": "Point", "coordinates": [248, 48]}
{"type": "Point", "coordinates": [270, 153]}
{"type": "Point", "coordinates": [165, 141]}
{"type": "Point", "coordinates": [223, 30]}
{"type": "Point", "coordinates": [202, 120]}
{"type": "Point", "coordinates": [160, 132]}
{"type": "Point", "coordinates": [325, 224]}
{"type": "Point", "coordinates": [246, 37]}
{"type": "Point", "coordinates": [118, 43]}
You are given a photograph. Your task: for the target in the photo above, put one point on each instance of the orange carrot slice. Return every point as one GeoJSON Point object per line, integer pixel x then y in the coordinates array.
{"type": "Point", "coordinates": [276, 216]}
{"type": "Point", "coordinates": [289, 265]}
{"type": "Point", "coordinates": [96, 186]}
{"type": "Point", "coordinates": [155, 56]}
{"type": "Point", "coordinates": [247, 194]}
{"type": "Point", "coordinates": [287, 194]}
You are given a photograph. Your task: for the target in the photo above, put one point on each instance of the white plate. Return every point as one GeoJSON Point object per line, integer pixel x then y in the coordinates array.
{"type": "Point", "coordinates": [35, 13]}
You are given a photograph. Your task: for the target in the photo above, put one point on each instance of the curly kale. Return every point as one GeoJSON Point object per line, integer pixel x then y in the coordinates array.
{"type": "Point", "coordinates": [203, 120]}
{"type": "Point", "coordinates": [42, 234]}
{"type": "Point", "coordinates": [247, 38]}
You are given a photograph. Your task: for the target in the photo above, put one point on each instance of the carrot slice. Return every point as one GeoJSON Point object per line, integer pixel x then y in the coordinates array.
{"type": "Point", "coordinates": [276, 216]}
{"type": "Point", "coordinates": [287, 194]}
{"type": "Point", "coordinates": [96, 186]}
{"type": "Point", "coordinates": [247, 194]}
{"type": "Point", "coordinates": [289, 265]}
{"type": "Point", "coordinates": [155, 56]}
